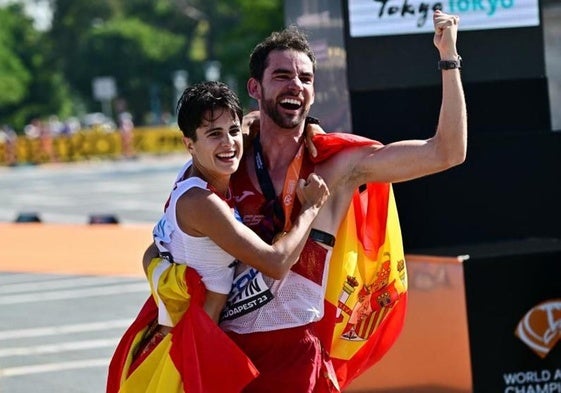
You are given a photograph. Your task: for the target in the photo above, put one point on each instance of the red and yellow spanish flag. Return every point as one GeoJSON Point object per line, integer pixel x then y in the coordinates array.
{"type": "Point", "coordinates": [194, 357]}
{"type": "Point", "coordinates": [366, 295]}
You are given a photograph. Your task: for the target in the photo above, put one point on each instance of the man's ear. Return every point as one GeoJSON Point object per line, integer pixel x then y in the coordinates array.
{"type": "Point", "coordinates": [253, 88]}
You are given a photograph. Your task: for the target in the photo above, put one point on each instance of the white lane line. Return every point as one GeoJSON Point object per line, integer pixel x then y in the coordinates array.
{"type": "Point", "coordinates": [64, 329]}
{"type": "Point", "coordinates": [14, 278]}
{"type": "Point", "coordinates": [60, 347]}
{"type": "Point", "coordinates": [67, 282]}
{"type": "Point", "coordinates": [73, 294]}
{"type": "Point", "coordinates": [52, 367]}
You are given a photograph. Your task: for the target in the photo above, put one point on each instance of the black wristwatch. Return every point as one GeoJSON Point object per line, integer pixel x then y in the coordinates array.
{"type": "Point", "coordinates": [450, 64]}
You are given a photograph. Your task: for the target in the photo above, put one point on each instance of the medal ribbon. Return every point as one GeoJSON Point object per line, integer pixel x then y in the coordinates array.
{"type": "Point", "coordinates": [284, 210]}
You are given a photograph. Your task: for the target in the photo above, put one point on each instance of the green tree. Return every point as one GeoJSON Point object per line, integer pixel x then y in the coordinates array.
{"type": "Point", "coordinates": [14, 76]}
{"type": "Point", "coordinates": [138, 42]}
{"type": "Point", "coordinates": [136, 54]}
{"type": "Point", "coordinates": [246, 22]}
{"type": "Point", "coordinates": [142, 42]}
{"type": "Point", "coordinates": [31, 86]}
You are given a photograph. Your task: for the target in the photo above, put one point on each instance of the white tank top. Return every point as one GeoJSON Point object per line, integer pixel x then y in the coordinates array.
{"type": "Point", "coordinates": [212, 263]}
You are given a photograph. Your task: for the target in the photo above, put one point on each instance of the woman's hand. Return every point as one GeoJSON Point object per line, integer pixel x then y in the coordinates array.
{"type": "Point", "coordinates": [312, 192]}
{"type": "Point", "coordinates": [311, 131]}
{"type": "Point", "coordinates": [250, 123]}
{"type": "Point", "coordinates": [250, 128]}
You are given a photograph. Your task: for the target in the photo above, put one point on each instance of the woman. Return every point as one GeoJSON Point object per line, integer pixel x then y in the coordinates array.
{"type": "Point", "coordinates": [200, 227]}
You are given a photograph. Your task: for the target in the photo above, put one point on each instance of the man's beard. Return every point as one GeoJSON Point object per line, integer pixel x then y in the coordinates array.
{"type": "Point", "coordinates": [269, 107]}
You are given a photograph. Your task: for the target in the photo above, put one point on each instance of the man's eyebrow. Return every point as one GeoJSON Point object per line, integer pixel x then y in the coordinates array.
{"type": "Point", "coordinates": [281, 71]}
{"type": "Point", "coordinates": [289, 71]}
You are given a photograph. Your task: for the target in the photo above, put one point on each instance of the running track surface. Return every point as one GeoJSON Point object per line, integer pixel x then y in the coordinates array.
{"type": "Point", "coordinates": [99, 249]}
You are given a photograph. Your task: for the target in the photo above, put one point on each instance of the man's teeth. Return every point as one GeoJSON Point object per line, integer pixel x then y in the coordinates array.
{"type": "Point", "coordinates": [290, 101]}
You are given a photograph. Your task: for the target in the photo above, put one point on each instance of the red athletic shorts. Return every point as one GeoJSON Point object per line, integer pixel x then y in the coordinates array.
{"type": "Point", "coordinates": [289, 361]}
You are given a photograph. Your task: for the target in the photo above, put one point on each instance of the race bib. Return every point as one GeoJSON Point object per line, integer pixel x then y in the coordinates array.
{"type": "Point", "coordinates": [249, 292]}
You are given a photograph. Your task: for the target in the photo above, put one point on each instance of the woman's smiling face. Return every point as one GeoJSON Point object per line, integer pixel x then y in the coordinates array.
{"type": "Point", "coordinates": [219, 145]}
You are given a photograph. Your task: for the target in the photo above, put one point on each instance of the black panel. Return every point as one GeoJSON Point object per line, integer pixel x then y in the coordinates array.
{"type": "Point", "coordinates": [493, 107]}
{"type": "Point", "coordinates": [508, 188]}
{"type": "Point", "coordinates": [500, 290]}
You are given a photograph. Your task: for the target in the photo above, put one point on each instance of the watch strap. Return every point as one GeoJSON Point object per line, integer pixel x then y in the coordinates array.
{"type": "Point", "coordinates": [450, 64]}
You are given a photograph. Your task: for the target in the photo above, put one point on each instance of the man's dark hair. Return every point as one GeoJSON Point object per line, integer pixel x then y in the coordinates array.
{"type": "Point", "coordinates": [202, 100]}
{"type": "Point", "coordinates": [289, 38]}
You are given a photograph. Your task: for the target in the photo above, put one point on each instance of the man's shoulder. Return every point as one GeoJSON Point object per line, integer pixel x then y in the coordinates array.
{"type": "Point", "coordinates": [331, 144]}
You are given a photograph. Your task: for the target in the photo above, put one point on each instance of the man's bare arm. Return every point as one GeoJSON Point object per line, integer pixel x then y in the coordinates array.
{"type": "Point", "coordinates": [405, 160]}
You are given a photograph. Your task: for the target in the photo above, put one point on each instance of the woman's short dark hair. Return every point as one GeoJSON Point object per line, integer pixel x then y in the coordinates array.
{"type": "Point", "coordinates": [288, 39]}
{"type": "Point", "coordinates": [200, 100]}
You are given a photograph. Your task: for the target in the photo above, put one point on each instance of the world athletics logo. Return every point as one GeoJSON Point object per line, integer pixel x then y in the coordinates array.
{"type": "Point", "coordinates": [540, 327]}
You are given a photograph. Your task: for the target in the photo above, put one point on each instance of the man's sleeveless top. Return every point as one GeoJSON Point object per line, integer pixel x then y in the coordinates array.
{"type": "Point", "coordinates": [260, 303]}
{"type": "Point", "coordinates": [212, 263]}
